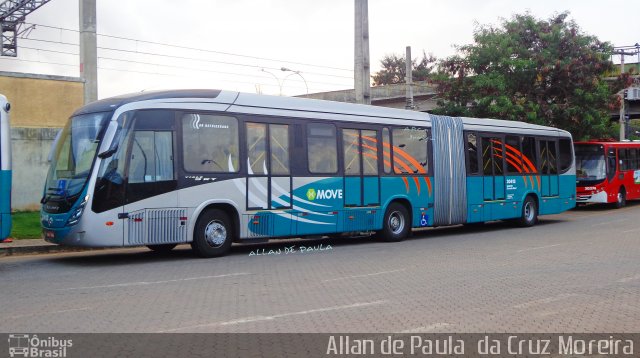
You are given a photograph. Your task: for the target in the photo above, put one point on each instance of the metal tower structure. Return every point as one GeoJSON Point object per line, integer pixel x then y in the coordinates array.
{"type": "Point", "coordinates": [12, 16]}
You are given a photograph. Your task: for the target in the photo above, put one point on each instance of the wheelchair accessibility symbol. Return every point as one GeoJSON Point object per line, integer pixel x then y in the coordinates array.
{"type": "Point", "coordinates": [424, 220]}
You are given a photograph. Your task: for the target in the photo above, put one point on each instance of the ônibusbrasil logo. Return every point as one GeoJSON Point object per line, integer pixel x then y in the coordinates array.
{"type": "Point", "coordinates": [32, 346]}
{"type": "Point", "coordinates": [313, 194]}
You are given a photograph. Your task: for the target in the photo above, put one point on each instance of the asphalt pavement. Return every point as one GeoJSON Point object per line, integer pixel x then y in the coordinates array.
{"type": "Point", "coordinates": [575, 272]}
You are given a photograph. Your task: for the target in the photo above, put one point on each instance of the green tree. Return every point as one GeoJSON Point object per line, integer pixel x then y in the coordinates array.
{"type": "Point", "coordinates": [394, 69]}
{"type": "Point", "coordinates": [539, 71]}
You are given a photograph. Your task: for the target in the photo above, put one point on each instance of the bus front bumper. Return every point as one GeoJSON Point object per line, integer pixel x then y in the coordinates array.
{"type": "Point", "coordinates": [600, 197]}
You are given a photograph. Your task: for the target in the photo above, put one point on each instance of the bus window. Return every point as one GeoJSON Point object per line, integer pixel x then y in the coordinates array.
{"type": "Point", "coordinates": [322, 151]}
{"type": "Point", "coordinates": [257, 148]}
{"type": "Point", "coordinates": [553, 157]}
{"type": "Point", "coordinates": [351, 149]}
{"type": "Point", "coordinates": [472, 154]}
{"type": "Point", "coordinates": [410, 150]}
{"type": "Point", "coordinates": [386, 150]}
{"type": "Point", "coordinates": [487, 159]}
{"type": "Point", "coordinates": [565, 155]}
{"type": "Point", "coordinates": [548, 157]}
{"type": "Point", "coordinates": [369, 153]}
{"type": "Point", "coordinates": [279, 136]}
{"type": "Point", "coordinates": [626, 161]}
{"type": "Point", "coordinates": [210, 143]}
{"type": "Point", "coordinates": [512, 157]}
{"type": "Point", "coordinates": [611, 163]}
{"type": "Point", "coordinates": [150, 170]}
{"type": "Point", "coordinates": [492, 156]}
{"type": "Point", "coordinates": [529, 154]}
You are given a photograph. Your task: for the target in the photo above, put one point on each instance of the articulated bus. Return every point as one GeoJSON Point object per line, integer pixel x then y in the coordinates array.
{"type": "Point", "coordinates": [211, 167]}
{"type": "Point", "coordinates": [5, 169]}
{"type": "Point", "coordinates": [607, 172]}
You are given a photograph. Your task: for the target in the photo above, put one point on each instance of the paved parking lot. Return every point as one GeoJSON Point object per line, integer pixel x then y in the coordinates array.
{"type": "Point", "coordinates": [575, 272]}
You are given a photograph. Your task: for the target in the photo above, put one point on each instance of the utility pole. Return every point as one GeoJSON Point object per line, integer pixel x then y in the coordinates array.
{"type": "Point", "coordinates": [409, 79]}
{"type": "Point", "coordinates": [362, 70]}
{"type": "Point", "coordinates": [88, 50]}
{"type": "Point", "coordinates": [623, 121]}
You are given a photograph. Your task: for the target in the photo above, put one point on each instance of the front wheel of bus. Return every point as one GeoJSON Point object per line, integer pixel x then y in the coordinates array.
{"type": "Point", "coordinates": [213, 234]}
{"type": "Point", "coordinates": [621, 200]}
{"type": "Point", "coordinates": [529, 212]}
{"type": "Point", "coordinates": [396, 224]}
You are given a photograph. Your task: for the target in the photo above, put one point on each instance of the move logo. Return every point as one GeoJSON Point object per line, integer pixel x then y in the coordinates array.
{"type": "Point", "coordinates": [322, 194]}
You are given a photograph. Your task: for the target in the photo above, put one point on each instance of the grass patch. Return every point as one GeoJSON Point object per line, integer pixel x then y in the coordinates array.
{"type": "Point", "coordinates": [26, 225]}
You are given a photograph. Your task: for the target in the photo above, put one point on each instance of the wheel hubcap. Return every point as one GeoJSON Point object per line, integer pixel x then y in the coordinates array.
{"type": "Point", "coordinates": [528, 211]}
{"type": "Point", "coordinates": [215, 233]}
{"type": "Point", "coordinates": [396, 222]}
{"type": "Point", "coordinates": [620, 197]}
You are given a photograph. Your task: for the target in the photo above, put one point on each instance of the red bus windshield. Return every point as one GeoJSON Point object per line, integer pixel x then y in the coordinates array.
{"type": "Point", "coordinates": [591, 166]}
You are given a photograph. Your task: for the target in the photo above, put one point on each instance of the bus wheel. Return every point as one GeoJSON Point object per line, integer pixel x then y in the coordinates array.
{"type": "Point", "coordinates": [621, 200]}
{"type": "Point", "coordinates": [213, 234]}
{"type": "Point", "coordinates": [162, 248]}
{"type": "Point", "coordinates": [396, 224]}
{"type": "Point", "coordinates": [529, 212]}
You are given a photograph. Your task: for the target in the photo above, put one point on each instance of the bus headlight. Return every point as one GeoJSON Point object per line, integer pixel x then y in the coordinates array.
{"type": "Point", "coordinates": [75, 217]}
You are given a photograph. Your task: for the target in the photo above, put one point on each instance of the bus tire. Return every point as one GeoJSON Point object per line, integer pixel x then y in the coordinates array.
{"type": "Point", "coordinates": [621, 199]}
{"type": "Point", "coordinates": [162, 248]}
{"type": "Point", "coordinates": [529, 216]}
{"type": "Point", "coordinates": [396, 225]}
{"type": "Point", "coordinates": [213, 234]}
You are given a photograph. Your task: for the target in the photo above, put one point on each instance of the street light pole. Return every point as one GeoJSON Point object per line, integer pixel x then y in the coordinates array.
{"type": "Point", "coordinates": [623, 123]}
{"type": "Point", "coordinates": [277, 79]}
{"type": "Point", "coordinates": [284, 69]}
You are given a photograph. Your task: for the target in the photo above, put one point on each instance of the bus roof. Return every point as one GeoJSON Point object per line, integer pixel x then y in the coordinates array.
{"type": "Point", "coordinates": [307, 108]}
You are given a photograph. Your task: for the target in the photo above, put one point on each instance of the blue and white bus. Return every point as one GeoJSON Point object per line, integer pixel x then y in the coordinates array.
{"type": "Point", "coordinates": [5, 169]}
{"type": "Point", "coordinates": [211, 167]}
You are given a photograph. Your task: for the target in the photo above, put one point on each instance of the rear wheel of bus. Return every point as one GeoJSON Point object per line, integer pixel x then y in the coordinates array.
{"type": "Point", "coordinates": [396, 225]}
{"type": "Point", "coordinates": [529, 215]}
{"type": "Point", "coordinates": [213, 234]}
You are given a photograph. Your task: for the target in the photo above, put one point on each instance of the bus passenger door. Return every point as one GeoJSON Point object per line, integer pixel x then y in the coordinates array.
{"type": "Point", "coordinates": [151, 212]}
{"type": "Point", "coordinates": [493, 170]}
{"type": "Point", "coordinates": [494, 179]}
{"type": "Point", "coordinates": [269, 179]}
{"type": "Point", "coordinates": [361, 183]}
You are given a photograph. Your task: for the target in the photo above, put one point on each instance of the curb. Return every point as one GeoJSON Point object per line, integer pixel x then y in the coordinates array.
{"type": "Point", "coordinates": [40, 249]}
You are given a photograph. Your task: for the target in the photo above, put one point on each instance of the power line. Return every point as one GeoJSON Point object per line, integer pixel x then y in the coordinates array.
{"type": "Point", "coordinates": [206, 70]}
{"type": "Point", "coordinates": [175, 66]}
{"type": "Point", "coordinates": [156, 73]}
{"type": "Point", "coordinates": [41, 62]}
{"type": "Point", "coordinates": [202, 50]}
{"type": "Point", "coordinates": [46, 50]}
{"type": "Point", "coordinates": [199, 77]}
{"type": "Point", "coordinates": [185, 58]}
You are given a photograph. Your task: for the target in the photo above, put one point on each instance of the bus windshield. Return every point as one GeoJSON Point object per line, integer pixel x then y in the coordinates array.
{"type": "Point", "coordinates": [74, 154]}
{"type": "Point", "coordinates": [590, 164]}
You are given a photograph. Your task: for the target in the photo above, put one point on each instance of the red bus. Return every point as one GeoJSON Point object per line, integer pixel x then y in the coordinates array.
{"type": "Point", "coordinates": [607, 172]}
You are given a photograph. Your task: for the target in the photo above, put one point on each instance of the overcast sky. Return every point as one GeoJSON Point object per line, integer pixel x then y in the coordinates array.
{"type": "Point", "coordinates": [227, 43]}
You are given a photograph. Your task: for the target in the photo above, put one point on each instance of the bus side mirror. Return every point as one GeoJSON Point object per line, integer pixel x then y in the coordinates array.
{"type": "Point", "coordinates": [53, 146]}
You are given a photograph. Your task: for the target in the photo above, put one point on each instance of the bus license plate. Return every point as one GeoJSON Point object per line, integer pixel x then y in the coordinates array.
{"type": "Point", "coordinates": [49, 234]}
